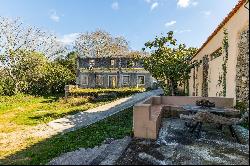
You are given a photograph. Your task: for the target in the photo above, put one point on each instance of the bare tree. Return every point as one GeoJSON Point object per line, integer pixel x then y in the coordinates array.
{"type": "Point", "coordinates": [100, 44]}
{"type": "Point", "coordinates": [17, 40]}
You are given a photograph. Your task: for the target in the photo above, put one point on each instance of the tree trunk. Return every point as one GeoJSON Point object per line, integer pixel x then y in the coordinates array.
{"type": "Point", "coordinates": [172, 88]}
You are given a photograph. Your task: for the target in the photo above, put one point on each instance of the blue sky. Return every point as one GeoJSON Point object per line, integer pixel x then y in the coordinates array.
{"type": "Point", "coordinates": [137, 20]}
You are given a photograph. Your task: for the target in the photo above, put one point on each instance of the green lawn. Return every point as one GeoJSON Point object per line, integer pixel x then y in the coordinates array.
{"type": "Point", "coordinates": [23, 111]}
{"type": "Point", "coordinates": [116, 126]}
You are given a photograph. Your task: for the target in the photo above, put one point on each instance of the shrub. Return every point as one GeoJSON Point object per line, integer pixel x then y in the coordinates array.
{"type": "Point", "coordinates": [242, 106]}
{"type": "Point", "coordinates": [76, 101]}
{"type": "Point", "coordinates": [120, 92]}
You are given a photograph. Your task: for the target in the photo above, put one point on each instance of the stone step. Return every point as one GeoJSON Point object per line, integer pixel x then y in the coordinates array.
{"type": "Point", "coordinates": [106, 154]}
{"type": "Point", "coordinates": [78, 157]}
{"type": "Point", "coordinates": [115, 150]}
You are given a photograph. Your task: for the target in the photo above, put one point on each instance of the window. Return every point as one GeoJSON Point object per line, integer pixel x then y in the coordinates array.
{"type": "Point", "coordinates": [140, 80]}
{"type": "Point", "coordinates": [125, 80]}
{"type": "Point", "coordinates": [99, 80]}
{"type": "Point", "coordinates": [216, 53]}
{"type": "Point", "coordinates": [112, 62]}
{"type": "Point", "coordinates": [84, 80]}
{"type": "Point", "coordinates": [91, 62]}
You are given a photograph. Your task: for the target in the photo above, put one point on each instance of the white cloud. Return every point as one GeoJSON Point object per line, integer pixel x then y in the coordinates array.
{"type": "Point", "coordinates": [154, 5]}
{"type": "Point", "coordinates": [53, 16]}
{"type": "Point", "coordinates": [183, 31]}
{"type": "Point", "coordinates": [183, 3]}
{"type": "Point", "coordinates": [170, 23]}
{"type": "Point", "coordinates": [148, 1]}
{"type": "Point", "coordinates": [68, 39]}
{"type": "Point", "coordinates": [115, 6]}
{"type": "Point", "coordinates": [206, 13]}
{"type": "Point", "coordinates": [186, 3]}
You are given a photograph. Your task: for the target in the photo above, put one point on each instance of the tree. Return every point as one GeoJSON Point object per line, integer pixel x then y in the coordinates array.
{"type": "Point", "coordinates": [169, 63]}
{"type": "Point", "coordinates": [18, 41]}
{"type": "Point", "coordinates": [100, 44]}
{"type": "Point", "coordinates": [68, 61]}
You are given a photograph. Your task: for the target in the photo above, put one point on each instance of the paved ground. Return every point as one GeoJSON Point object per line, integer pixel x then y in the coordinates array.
{"type": "Point", "coordinates": [71, 122]}
{"type": "Point", "coordinates": [177, 146]}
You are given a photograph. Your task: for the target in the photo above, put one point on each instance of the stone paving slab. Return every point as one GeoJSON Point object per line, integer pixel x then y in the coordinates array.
{"type": "Point", "coordinates": [105, 154]}
{"type": "Point", "coordinates": [176, 145]}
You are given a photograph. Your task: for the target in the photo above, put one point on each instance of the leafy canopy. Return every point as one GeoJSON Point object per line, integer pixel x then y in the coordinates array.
{"type": "Point", "coordinates": [170, 63]}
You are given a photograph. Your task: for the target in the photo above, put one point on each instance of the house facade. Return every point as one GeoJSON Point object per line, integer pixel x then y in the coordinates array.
{"type": "Point", "coordinates": [111, 72]}
{"type": "Point", "coordinates": [224, 70]}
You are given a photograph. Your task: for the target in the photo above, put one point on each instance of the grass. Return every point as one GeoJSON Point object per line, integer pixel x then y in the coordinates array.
{"type": "Point", "coordinates": [23, 111]}
{"type": "Point", "coordinates": [116, 126]}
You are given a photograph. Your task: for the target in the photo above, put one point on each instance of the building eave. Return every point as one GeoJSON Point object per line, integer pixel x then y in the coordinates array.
{"type": "Point", "coordinates": [220, 26]}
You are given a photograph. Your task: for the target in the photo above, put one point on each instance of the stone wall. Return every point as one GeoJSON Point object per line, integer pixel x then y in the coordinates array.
{"type": "Point", "coordinates": [105, 75]}
{"type": "Point", "coordinates": [242, 68]}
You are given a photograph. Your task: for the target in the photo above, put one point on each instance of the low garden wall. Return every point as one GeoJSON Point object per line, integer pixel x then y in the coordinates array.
{"type": "Point", "coordinates": [147, 114]}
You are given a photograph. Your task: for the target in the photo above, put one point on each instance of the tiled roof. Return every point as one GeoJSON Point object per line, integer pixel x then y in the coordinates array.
{"type": "Point", "coordinates": [225, 20]}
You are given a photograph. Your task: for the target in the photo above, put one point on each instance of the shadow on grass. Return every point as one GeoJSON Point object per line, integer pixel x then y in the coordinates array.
{"type": "Point", "coordinates": [56, 115]}
{"type": "Point", "coordinates": [116, 126]}
{"type": "Point", "coordinates": [52, 98]}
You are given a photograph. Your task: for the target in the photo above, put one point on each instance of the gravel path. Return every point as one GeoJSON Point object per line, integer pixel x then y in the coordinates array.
{"type": "Point", "coordinates": [71, 122]}
{"type": "Point", "coordinates": [82, 119]}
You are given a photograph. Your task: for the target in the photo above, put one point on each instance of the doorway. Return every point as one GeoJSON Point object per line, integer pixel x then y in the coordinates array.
{"type": "Point", "coordinates": [112, 81]}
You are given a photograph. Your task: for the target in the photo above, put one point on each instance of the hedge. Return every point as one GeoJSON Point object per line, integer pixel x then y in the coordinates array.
{"type": "Point", "coordinates": [96, 92]}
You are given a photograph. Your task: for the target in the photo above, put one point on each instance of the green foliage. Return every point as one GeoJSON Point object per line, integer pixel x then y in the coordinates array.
{"type": "Point", "coordinates": [77, 101]}
{"type": "Point", "coordinates": [224, 65]}
{"type": "Point", "coordinates": [55, 78]}
{"type": "Point", "coordinates": [7, 86]}
{"type": "Point", "coordinates": [69, 61]}
{"type": "Point", "coordinates": [95, 92]}
{"type": "Point", "coordinates": [169, 63]}
{"type": "Point", "coordinates": [242, 106]}
{"type": "Point", "coordinates": [116, 126]}
{"type": "Point", "coordinates": [34, 74]}
{"type": "Point", "coordinates": [205, 65]}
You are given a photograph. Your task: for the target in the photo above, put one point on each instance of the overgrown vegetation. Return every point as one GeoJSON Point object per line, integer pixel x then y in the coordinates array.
{"type": "Point", "coordinates": [242, 106]}
{"type": "Point", "coordinates": [116, 126]}
{"type": "Point", "coordinates": [224, 65]}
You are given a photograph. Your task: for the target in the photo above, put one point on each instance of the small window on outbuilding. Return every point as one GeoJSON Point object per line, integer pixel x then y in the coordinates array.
{"type": "Point", "coordinates": [84, 80]}
{"type": "Point", "coordinates": [91, 62]}
{"type": "Point", "coordinates": [140, 80]}
{"type": "Point", "coordinates": [216, 53]}
{"type": "Point", "coordinates": [125, 80]}
{"type": "Point", "coordinates": [99, 80]}
{"type": "Point", "coordinates": [112, 62]}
